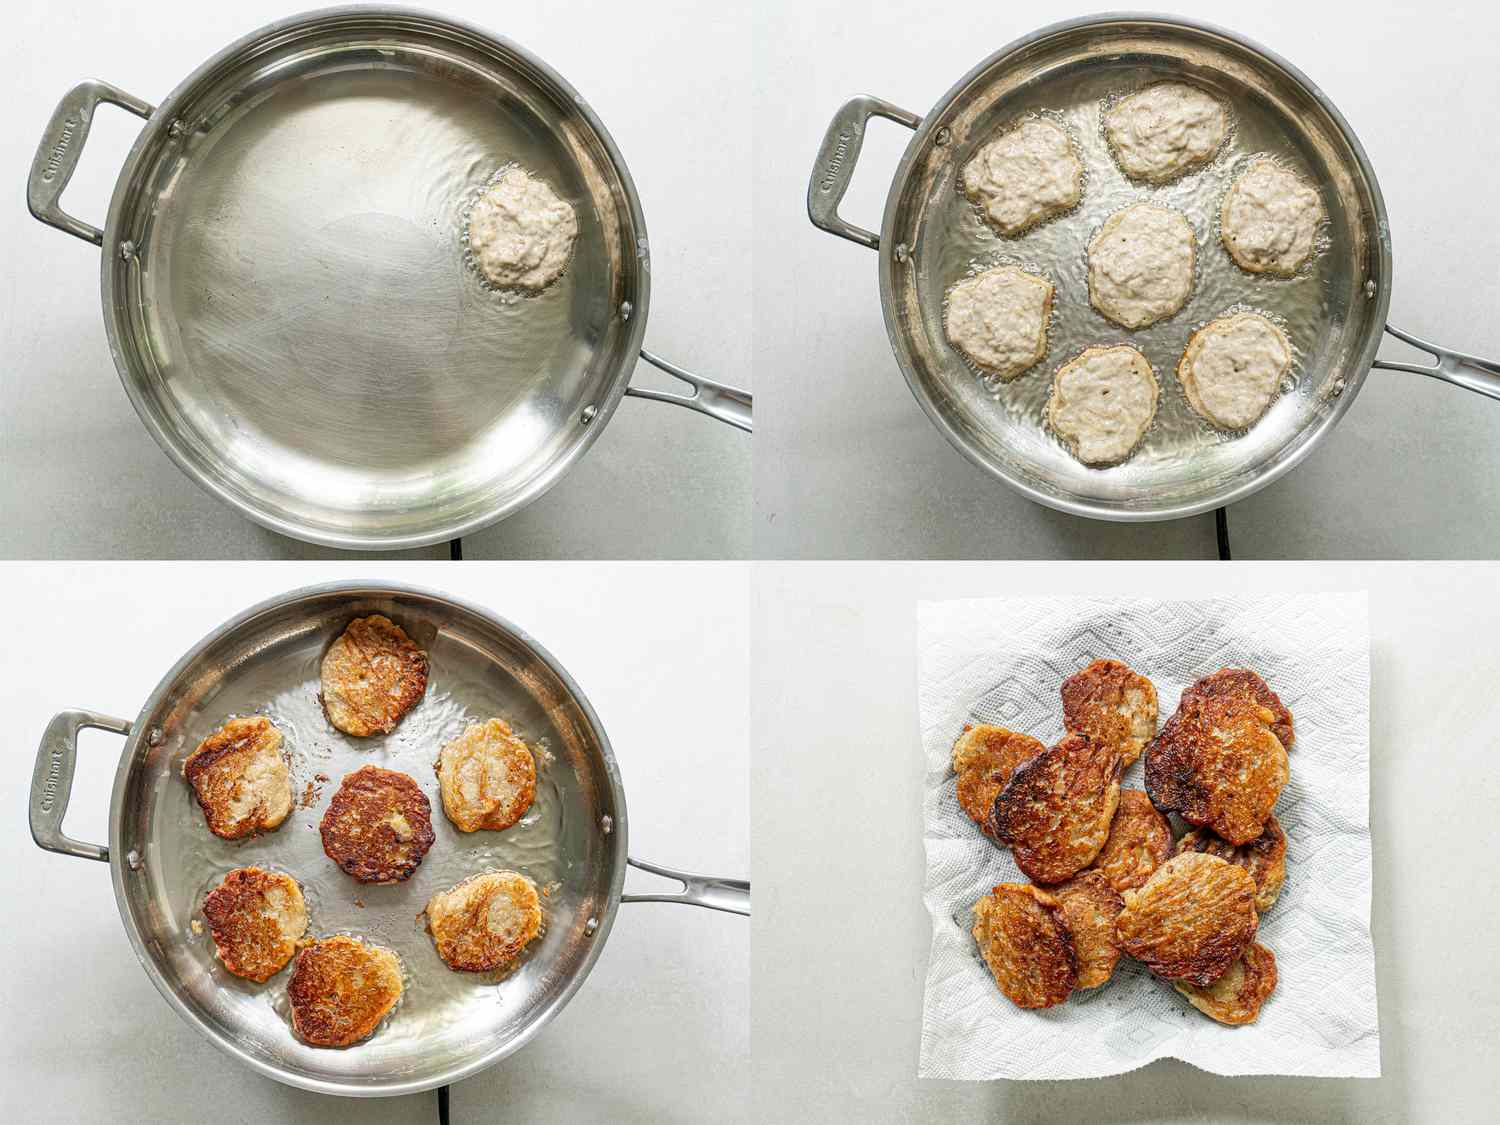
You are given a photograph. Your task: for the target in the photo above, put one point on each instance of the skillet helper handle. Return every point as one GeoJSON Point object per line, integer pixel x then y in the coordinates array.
{"type": "Point", "coordinates": [835, 167]}
{"type": "Point", "coordinates": [717, 400]}
{"type": "Point", "coordinates": [62, 144]}
{"type": "Point", "coordinates": [52, 782]}
{"type": "Point", "coordinates": [1462, 370]}
{"type": "Point", "coordinates": [729, 895]}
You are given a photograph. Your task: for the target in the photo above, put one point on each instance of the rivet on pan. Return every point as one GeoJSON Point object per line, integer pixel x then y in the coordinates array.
{"type": "Point", "coordinates": [942, 136]}
{"type": "Point", "coordinates": [127, 250]}
{"type": "Point", "coordinates": [589, 413]}
{"type": "Point", "coordinates": [175, 130]}
{"type": "Point", "coordinates": [591, 925]}
{"type": "Point", "coordinates": [154, 737]}
{"type": "Point", "coordinates": [626, 308]}
{"type": "Point", "coordinates": [606, 824]}
{"type": "Point", "coordinates": [133, 859]}
{"type": "Point", "coordinates": [1370, 287]}
{"type": "Point", "coordinates": [902, 253]}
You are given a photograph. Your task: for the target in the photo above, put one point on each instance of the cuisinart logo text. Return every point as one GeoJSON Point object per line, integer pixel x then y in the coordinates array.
{"type": "Point", "coordinates": [59, 150]}
{"type": "Point", "coordinates": [831, 173]}
{"type": "Point", "coordinates": [49, 789]}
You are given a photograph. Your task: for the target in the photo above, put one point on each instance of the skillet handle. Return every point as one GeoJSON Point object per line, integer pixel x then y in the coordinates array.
{"type": "Point", "coordinates": [1462, 370]}
{"type": "Point", "coordinates": [729, 895]}
{"type": "Point", "coordinates": [837, 156]}
{"type": "Point", "coordinates": [62, 145]}
{"type": "Point", "coordinates": [52, 782]}
{"type": "Point", "coordinates": [717, 400]}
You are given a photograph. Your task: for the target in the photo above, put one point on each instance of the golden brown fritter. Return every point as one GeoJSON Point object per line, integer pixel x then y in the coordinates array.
{"type": "Point", "coordinates": [372, 675]}
{"type": "Point", "coordinates": [1111, 704]}
{"type": "Point", "coordinates": [1089, 906]}
{"type": "Point", "coordinates": [1056, 809]}
{"type": "Point", "coordinates": [256, 918]}
{"type": "Point", "coordinates": [340, 989]}
{"type": "Point", "coordinates": [1236, 997]}
{"type": "Point", "coordinates": [487, 777]}
{"type": "Point", "coordinates": [378, 825]}
{"type": "Point", "coordinates": [1191, 920]}
{"type": "Point", "coordinates": [984, 757]}
{"type": "Point", "coordinates": [1219, 761]}
{"type": "Point", "coordinates": [1264, 857]}
{"type": "Point", "coordinates": [485, 921]}
{"type": "Point", "coordinates": [1024, 939]}
{"type": "Point", "coordinates": [240, 777]}
{"type": "Point", "coordinates": [1139, 842]}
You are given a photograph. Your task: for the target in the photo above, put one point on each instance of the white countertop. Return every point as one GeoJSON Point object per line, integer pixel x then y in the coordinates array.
{"type": "Point", "coordinates": [847, 465]}
{"type": "Point", "coordinates": [840, 936]}
{"type": "Point", "coordinates": [659, 1032]}
{"type": "Point", "coordinates": [83, 478]}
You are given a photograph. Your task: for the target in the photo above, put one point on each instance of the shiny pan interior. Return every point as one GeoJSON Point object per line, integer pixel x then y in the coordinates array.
{"type": "Point", "coordinates": [287, 293]}
{"type": "Point", "coordinates": [572, 842]}
{"type": "Point", "coordinates": [1334, 311]}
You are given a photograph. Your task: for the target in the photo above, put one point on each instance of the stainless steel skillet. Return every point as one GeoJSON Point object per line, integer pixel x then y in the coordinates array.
{"type": "Point", "coordinates": [573, 843]}
{"type": "Point", "coordinates": [930, 237]}
{"type": "Point", "coordinates": [285, 291]}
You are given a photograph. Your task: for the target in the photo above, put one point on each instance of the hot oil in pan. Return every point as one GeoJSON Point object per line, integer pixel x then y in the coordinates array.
{"type": "Point", "coordinates": [286, 691]}
{"type": "Point", "coordinates": [1180, 446]}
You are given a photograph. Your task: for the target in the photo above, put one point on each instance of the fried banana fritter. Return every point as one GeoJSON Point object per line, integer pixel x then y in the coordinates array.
{"type": "Point", "coordinates": [1264, 857]}
{"type": "Point", "coordinates": [1191, 920]}
{"type": "Point", "coordinates": [984, 757]}
{"type": "Point", "coordinates": [1111, 704]}
{"type": "Point", "coordinates": [256, 918]}
{"type": "Point", "coordinates": [1139, 842]}
{"type": "Point", "coordinates": [1056, 809]}
{"type": "Point", "coordinates": [1220, 761]}
{"type": "Point", "coordinates": [340, 989]}
{"type": "Point", "coordinates": [1090, 906]}
{"type": "Point", "coordinates": [1025, 941]}
{"type": "Point", "coordinates": [240, 778]}
{"type": "Point", "coordinates": [378, 825]}
{"type": "Point", "coordinates": [487, 777]}
{"type": "Point", "coordinates": [485, 921]}
{"type": "Point", "coordinates": [372, 675]}
{"type": "Point", "coordinates": [1237, 996]}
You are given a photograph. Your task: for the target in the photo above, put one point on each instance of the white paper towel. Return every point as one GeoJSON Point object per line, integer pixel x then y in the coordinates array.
{"type": "Point", "coordinates": [1002, 661]}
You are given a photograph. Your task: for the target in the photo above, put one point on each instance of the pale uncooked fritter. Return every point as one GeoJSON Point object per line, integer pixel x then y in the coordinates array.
{"type": "Point", "coordinates": [1164, 130]}
{"type": "Point", "coordinates": [1141, 265]}
{"type": "Point", "coordinates": [999, 319]}
{"type": "Point", "coordinates": [1269, 221]}
{"type": "Point", "coordinates": [1232, 367]}
{"type": "Point", "coordinates": [1103, 402]}
{"type": "Point", "coordinates": [521, 232]}
{"type": "Point", "coordinates": [1024, 176]}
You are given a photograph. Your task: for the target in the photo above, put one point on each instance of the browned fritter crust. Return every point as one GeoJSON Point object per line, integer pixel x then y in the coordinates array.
{"type": "Point", "coordinates": [1024, 939]}
{"type": "Point", "coordinates": [1056, 809]}
{"type": "Point", "coordinates": [1264, 857]}
{"type": "Point", "coordinates": [340, 989]}
{"type": "Point", "coordinates": [984, 757]}
{"type": "Point", "coordinates": [1191, 920]}
{"type": "Point", "coordinates": [1089, 906]}
{"type": "Point", "coordinates": [256, 918]}
{"type": "Point", "coordinates": [378, 825]}
{"type": "Point", "coordinates": [1140, 840]}
{"type": "Point", "coordinates": [1219, 761]}
{"type": "Point", "coordinates": [1111, 704]}
{"type": "Point", "coordinates": [240, 778]}
{"type": "Point", "coordinates": [486, 777]}
{"type": "Point", "coordinates": [485, 921]}
{"type": "Point", "coordinates": [372, 675]}
{"type": "Point", "coordinates": [1237, 996]}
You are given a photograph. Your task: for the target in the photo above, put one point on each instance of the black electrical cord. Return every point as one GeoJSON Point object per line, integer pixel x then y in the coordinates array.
{"type": "Point", "coordinates": [456, 549]}
{"type": "Point", "coordinates": [443, 1095]}
{"type": "Point", "coordinates": [1221, 526]}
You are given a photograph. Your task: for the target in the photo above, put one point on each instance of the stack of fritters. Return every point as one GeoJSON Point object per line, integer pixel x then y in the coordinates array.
{"type": "Point", "coordinates": [1106, 875]}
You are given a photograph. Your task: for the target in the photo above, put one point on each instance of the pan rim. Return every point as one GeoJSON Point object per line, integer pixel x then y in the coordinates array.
{"type": "Point", "coordinates": [1359, 364]}
{"type": "Point", "coordinates": [165, 437]}
{"type": "Point", "coordinates": [621, 829]}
